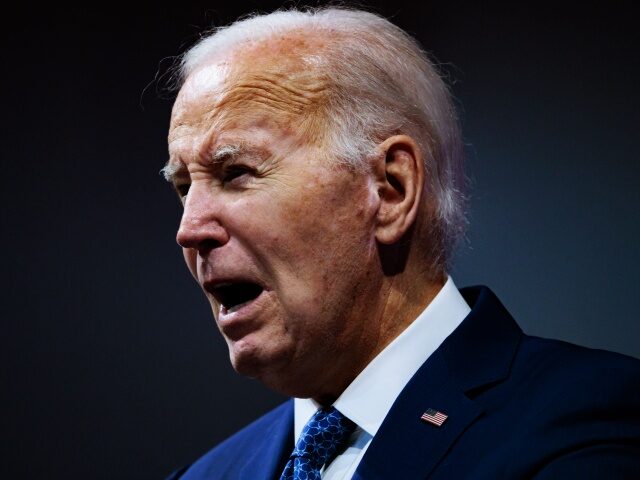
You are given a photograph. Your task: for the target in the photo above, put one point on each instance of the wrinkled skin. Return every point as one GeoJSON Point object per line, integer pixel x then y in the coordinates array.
{"type": "Point", "coordinates": [282, 215]}
{"type": "Point", "coordinates": [265, 203]}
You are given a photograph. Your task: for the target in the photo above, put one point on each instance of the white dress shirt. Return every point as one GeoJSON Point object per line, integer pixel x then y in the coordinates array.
{"type": "Point", "coordinates": [368, 399]}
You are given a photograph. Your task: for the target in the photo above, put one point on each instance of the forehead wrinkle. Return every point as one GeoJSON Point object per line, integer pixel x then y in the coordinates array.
{"type": "Point", "coordinates": [285, 90]}
{"type": "Point", "coordinates": [278, 92]}
{"type": "Point", "coordinates": [179, 130]}
{"type": "Point", "coordinates": [288, 92]}
{"type": "Point", "coordinates": [185, 142]}
{"type": "Point", "coordinates": [191, 117]}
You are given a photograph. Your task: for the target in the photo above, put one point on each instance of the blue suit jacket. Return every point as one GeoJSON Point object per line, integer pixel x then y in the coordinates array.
{"type": "Point", "coordinates": [517, 406]}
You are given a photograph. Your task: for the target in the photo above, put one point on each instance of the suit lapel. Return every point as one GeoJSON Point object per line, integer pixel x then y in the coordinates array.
{"type": "Point", "coordinates": [270, 454]}
{"type": "Point", "coordinates": [478, 353]}
{"type": "Point", "coordinates": [406, 446]}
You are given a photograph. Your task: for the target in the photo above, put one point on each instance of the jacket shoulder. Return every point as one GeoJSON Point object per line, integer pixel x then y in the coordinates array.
{"type": "Point", "coordinates": [581, 408]}
{"type": "Point", "coordinates": [547, 360]}
{"type": "Point", "coordinates": [559, 408]}
{"type": "Point", "coordinates": [559, 376]}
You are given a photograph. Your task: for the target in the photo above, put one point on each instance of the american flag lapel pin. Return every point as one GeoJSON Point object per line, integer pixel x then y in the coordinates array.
{"type": "Point", "coordinates": [434, 417]}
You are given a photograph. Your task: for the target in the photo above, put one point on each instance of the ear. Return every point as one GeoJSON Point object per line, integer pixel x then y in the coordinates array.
{"type": "Point", "coordinates": [399, 177]}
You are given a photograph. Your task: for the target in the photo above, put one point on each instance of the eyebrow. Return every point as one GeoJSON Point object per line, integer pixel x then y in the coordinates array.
{"type": "Point", "coordinates": [221, 154]}
{"type": "Point", "coordinates": [170, 170]}
{"type": "Point", "coordinates": [227, 152]}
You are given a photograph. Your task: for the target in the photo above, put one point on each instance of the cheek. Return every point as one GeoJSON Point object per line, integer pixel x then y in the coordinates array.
{"type": "Point", "coordinates": [329, 243]}
{"type": "Point", "coordinates": [190, 258]}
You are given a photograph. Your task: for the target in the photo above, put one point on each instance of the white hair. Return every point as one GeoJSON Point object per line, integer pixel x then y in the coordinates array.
{"type": "Point", "coordinates": [382, 83]}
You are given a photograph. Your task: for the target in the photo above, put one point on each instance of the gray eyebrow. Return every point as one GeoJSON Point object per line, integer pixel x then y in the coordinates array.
{"type": "Point", "coordinates": [222, 153]}
{"type": "Point", "coordinates": [169, 171]}
{"type": "Point", "coordinates": [226, 151]}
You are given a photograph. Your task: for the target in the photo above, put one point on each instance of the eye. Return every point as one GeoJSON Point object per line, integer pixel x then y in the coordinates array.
{"type": "Point", "coordinates": [233, 172]}
{"type": "Point", "coordinates": [182, 189]}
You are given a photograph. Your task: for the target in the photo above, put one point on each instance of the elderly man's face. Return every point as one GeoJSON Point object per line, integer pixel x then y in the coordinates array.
{"type": "Point", "coordinates": [280, 239]}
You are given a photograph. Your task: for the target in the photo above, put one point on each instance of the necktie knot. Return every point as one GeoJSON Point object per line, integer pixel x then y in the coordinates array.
{"type": "Point", "coordinates": [322, 437]}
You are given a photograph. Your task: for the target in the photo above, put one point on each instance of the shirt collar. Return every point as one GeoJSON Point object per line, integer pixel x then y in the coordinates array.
{"type": "Point", "coordinates": [368, 399]}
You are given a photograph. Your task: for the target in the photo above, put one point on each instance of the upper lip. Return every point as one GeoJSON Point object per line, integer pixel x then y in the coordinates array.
{"type": "Point", "coordinates": [211, 284]}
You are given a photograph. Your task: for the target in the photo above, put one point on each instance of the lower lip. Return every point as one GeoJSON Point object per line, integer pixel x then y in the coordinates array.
{"type": "Point", "coordinates": [238, 322]}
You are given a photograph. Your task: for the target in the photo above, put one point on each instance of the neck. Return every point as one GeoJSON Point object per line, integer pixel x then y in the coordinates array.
{"type": "Point", "coordinates": [403, 297]}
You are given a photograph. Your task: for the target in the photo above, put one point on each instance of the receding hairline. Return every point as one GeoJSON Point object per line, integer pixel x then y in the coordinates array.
{"type": "Point", "coordinates": [280, 78]}
{"type": "Point", "coordinates": [385, 84]}
{"type": "Point", "coordinates": [303, 36]}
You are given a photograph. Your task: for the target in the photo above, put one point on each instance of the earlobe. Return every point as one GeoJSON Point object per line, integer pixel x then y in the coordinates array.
{"type": "Point", "coordinates": [399, 173]}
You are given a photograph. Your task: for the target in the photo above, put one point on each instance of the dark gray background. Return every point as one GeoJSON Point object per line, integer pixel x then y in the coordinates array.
{"type": "Point", "coordinates": [112, 365]}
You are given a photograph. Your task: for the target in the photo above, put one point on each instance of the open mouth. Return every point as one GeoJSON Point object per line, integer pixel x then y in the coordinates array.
{"type": "Point", "coordinates": [232, 296]}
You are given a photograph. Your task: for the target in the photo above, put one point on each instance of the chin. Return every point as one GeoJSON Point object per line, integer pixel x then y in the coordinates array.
{"type": "Point", "coordinates": [251, 359]}
{"type": "Point", "coordinates": [272, 368]}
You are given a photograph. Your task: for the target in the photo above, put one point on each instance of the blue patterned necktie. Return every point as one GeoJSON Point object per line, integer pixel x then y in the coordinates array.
{"type": "Point", "coordinates": [322, 437]}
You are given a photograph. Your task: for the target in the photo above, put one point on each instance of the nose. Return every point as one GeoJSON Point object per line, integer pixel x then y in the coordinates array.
{"type": "Point", "coordinates": [200, 226]}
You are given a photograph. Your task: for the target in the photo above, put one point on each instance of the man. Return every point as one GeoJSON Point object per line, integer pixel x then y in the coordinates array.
{"type": "Point", "coordinates": [318, 160]}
